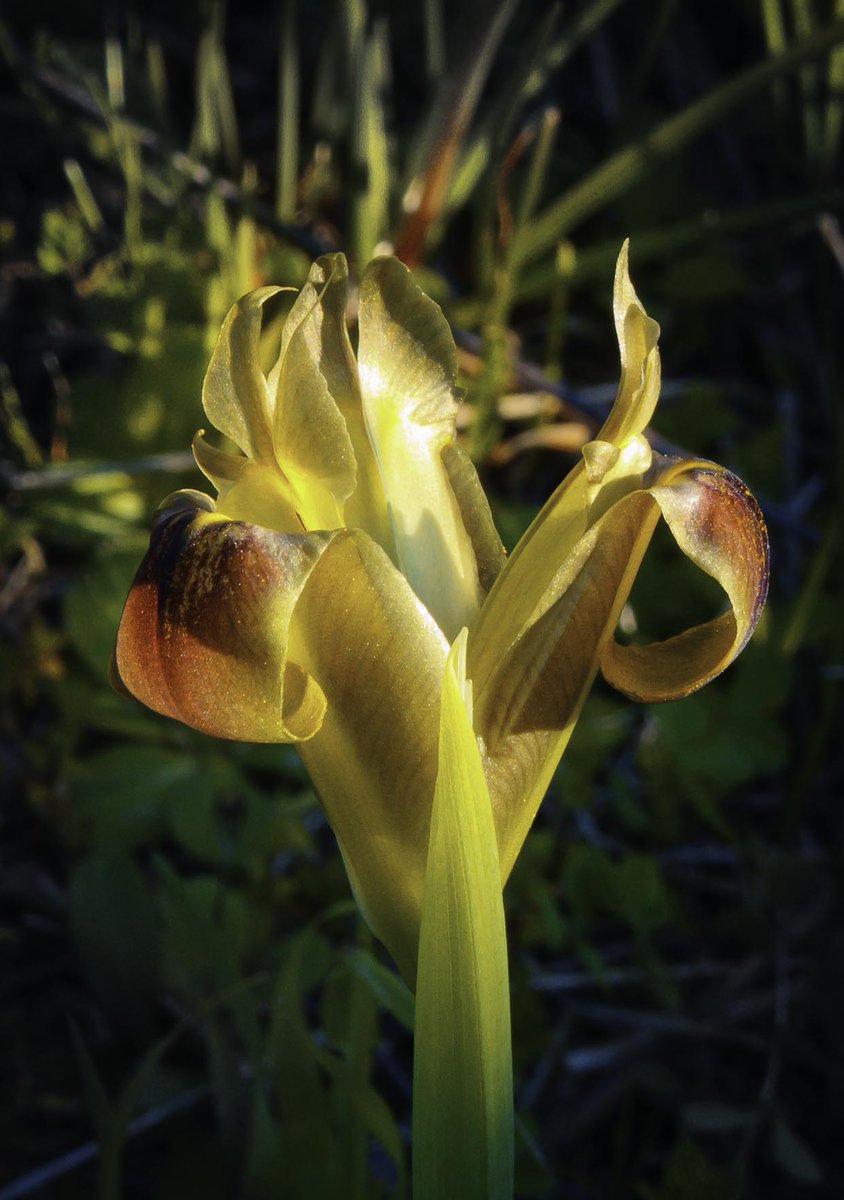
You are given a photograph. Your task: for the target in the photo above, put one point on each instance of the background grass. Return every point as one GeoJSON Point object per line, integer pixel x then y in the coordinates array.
{"type": "Point", "coordinates": [188, 1004]}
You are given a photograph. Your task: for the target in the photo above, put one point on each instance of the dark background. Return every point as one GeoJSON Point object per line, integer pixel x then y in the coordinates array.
{"type": "Point", "coordinates": [188, 1004]}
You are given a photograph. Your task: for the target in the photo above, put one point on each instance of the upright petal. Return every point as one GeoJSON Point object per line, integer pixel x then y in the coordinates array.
{"type": "Point", "coordinates": [311, 442]}
{"type": "Point", "coordinates": [235, 395]}
{"type": "Point", "coordinates": [320, 314]}
{"type": "Point", "coordinates": [613, 464]}
{"type": "Point", "coordinates": [407, 369]}
{"type": "Point", "coordinates": [637, 335]}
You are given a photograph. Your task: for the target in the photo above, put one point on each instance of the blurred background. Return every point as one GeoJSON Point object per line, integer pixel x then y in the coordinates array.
{"type": "Point", "coordinates": [188, 1003]}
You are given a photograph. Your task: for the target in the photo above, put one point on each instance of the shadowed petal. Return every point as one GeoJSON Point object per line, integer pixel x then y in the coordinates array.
{"type": "Point", "coordinates": [247, 490]}
{"type": "Point", "coordinates": [379, 657]}
{"type": "Point", "coordinates": [527, 704]}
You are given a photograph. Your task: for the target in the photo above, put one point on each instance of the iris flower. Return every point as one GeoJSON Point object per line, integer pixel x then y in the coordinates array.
{"type": "Point", "coordinates": [316, 599]}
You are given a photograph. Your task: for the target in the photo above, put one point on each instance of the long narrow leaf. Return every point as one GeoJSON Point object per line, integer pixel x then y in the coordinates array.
{"type": "Point", "coordinates": [626, 167]}
{"type": "Point", "coordinates": [463, 1084]}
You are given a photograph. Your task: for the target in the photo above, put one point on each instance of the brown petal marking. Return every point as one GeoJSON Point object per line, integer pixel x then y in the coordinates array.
{"type": "Point", "coordinates": [717, 523]}
{"type": "Point", "coordinates": [203, 633]}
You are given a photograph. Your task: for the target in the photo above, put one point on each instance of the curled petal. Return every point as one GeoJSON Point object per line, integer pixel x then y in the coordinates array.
{"type": "Point", "coordinates": [716, 522]}
{"type": "Point", "coordinates": [204, 632]}
{"type": "Point", "coordinates": [527, 706]}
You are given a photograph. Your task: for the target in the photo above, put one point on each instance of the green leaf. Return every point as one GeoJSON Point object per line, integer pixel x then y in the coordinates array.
{"type": "Point", "coordinates": [629, 165]}
{"type": "Point", "coordinates": [463, 1085]}
{"type": "Point", "coordinates": [120, 796]}
{"type": "Point", "coordinates": [389, 989]}
{"type": "Point", "coordinates": [113, 923]}
{"type": "Point", "coordinates": [93, 606]}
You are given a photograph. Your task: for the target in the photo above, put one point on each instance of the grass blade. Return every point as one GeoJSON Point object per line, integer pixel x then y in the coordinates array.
{"type": "Point", "coordinates": [628, 166]}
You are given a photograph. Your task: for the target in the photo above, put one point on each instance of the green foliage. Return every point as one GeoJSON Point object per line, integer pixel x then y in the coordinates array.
{"type": "Point", "coordinates": [675, 917]}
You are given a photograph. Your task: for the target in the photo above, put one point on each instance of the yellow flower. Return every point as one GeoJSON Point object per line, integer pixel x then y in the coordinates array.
{"type": "Point", "coordinates": [315, 601]}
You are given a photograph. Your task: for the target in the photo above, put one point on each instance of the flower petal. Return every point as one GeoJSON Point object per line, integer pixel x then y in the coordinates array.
{"type": "Point", "coordinates": [716, 522]}
{"type": "Point", "coordinates": [406, 362]}
{"type": "Point", "coordinates": [527, 705]}
{"type": "Point", "coordinates": [311, 441]}
{"type": "Point", "coordinates": [475, 514]}
{"type": "Point", "coordinates": [531, 573]}
{"type": "Point", "coordinates": [247, 490]}
{"type": "Point", "coordinates": [379, 658]}
{"type": "Point", "coordinates": [613, 465]}
{"type": "Point", "coordinates": [235, 395]}
{"type": "Point", "coordinates": [203, 636]}
{"type": "Point", "coordinates": [637, 335]}
{"type": "Point", "coordinates": [320, 313]}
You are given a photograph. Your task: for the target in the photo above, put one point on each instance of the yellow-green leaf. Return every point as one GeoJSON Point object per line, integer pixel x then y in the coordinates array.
{"type": "Point", "coordinates": [462, 1076]}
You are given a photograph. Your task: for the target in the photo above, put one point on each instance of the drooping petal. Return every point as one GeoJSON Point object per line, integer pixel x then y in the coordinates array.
{"type": "Point", "coordinates": [235, 395]}
{"type": "Point", "coordinates": [527, 704]}
{"type": "Point", "coordinates": [245, 633]}
{"type": "Point", "coordinates": [406, 362]}
{"type": "Point", "coordinates": [379, 657]}
{"type": "Point", "coordinates": [204, 632]}
{"type": "Point", "coordinates": [716, 522]}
